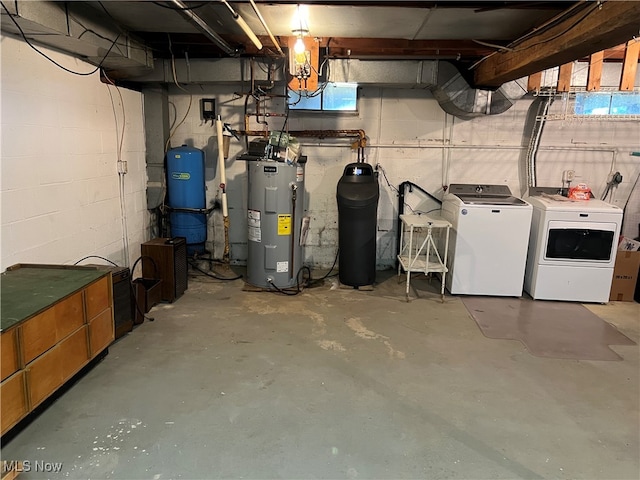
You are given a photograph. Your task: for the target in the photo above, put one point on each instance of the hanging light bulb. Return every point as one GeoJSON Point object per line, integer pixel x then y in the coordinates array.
{"type": "Point", "coordinates": [299, 47]}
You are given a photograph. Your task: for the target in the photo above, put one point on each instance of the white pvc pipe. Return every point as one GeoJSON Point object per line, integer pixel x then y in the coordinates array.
{"type": "Point", "coordinates": [243, 25]}
{"type": "Point", "coordinates": [223, 173]}
{"type": "Point", "coordinates": [247, 30]}
{"type": "Point", "coordinates": [264, 24]}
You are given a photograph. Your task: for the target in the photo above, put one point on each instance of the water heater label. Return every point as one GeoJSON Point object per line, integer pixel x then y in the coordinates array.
{"type": "Point", "coordinates": [282, 267]}
{"type": "Point", "coordinates": [255, 234]}
{"type": "Point", "coordinates": [253, 222]}
{"type": "Point", "coordinates": [284, 224]}
{"type": "Point", "coordinates": [271, 169]}
{"type": "Point", "coordinates": [253, 217]}
{"type": "Point", "coordinates": [299, 174]}
{"type": "Point", "coordinates": [180, 175]}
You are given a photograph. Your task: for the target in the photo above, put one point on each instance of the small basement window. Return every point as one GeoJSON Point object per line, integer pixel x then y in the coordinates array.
{"type": "Point", "coordinates": [330, 97]}
{"type": "Point", "coordinates": [607, 103]}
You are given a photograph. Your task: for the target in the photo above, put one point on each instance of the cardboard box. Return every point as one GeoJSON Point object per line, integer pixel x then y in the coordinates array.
{"type": "Point", "coordinates": [628, 244]}
{"type": "Point", "coordinates": [625, 276]}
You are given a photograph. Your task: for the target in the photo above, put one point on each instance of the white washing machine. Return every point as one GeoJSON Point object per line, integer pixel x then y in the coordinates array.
{"type": "Point", "coordinates": [572, 249]}
{"type": "Point", "coordinates": [489, 239]}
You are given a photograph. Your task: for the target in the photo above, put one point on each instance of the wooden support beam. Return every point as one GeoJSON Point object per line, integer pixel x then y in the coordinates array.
{"type": "Point", "coordinates": [586, 30]}
{"type": "Point", "coordinates": [341, 47]}
{"type": "Point", "coordinates": [564, 77]}
{"type": "Point", "coordinates": [535, 80]}
{"type": "Point", "coordinates": [594, 77]}
{"type": "Point", "coordinates": [630, 65]}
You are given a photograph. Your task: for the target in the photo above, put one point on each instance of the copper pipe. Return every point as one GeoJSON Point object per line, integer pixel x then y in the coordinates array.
{"type": "Point", "coordinates": [360, 134]}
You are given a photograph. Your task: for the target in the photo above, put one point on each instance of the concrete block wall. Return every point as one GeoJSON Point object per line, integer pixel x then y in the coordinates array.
{"type": "Point", "coordinates": [59, 182]}
{"type": "Point", "coordinates": [411, 138]}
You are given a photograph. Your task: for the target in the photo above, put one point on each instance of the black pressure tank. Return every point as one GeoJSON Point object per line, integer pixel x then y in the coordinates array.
{"type": "Point", "coordinates": [357, 221]}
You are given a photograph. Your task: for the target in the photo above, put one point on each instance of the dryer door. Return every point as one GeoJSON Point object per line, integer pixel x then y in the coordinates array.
{"type": "Point", "coordinates": [581, 242]}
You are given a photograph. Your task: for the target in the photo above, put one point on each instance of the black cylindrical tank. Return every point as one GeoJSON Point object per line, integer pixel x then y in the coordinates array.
{"type": "Point", "coordinates": [357, 196]}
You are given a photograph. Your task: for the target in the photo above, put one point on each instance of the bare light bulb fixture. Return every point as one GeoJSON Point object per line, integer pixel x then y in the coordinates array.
{"type": "Point", "coordinates": [299, 46]}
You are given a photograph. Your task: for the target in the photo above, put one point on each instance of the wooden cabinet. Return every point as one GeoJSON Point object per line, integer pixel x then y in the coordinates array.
{"type": "Point", "coordinates": [69, 314]}
{"type": "Point", "coordinates": [44, 375]}
{"type": "Point", "coordinates": [98, 296]}
{"type": "Point", "coordinates": [8, 353]}
{"type": "Point", "coordinates": [13, 400]}
{"type": "Point", "coordinates": [55, 320]}
{"type": "Point", "coordinates": [74, 352]}
{"type": "Point", "coordinates": [100, 332]}
{"type": "Point", "coordinates": [39, 334]}
{"type": "Point", "coordinates": [50, 327]}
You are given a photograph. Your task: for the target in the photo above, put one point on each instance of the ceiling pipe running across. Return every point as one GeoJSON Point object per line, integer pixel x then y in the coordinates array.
{"type": "Point", "coordinates": [264, 24]}
{"type": "Point", "coordinates": [359, 135]}
{"type": "Point", "coordinates": [243, 25]}
{"type": "Point", "coordinates": [204, 27]}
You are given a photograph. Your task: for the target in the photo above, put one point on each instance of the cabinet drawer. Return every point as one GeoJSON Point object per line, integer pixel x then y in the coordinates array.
{"type": "Point", "coordinates": [9, 353]}
{"type": "Point", "coordinates": [45, 375]}
{"type": "Point", "coordinates": [69, 315]}
{"type": "Point", "coordinates": [38, 334]}
{"type": "Point", "coordinates": [97, 297]}
{"type": "Point", "coordinates": [13, 401]}
{"type": "Point", "coordinates": [43, 331]}
{"type": "Point", "coordinates": [101, 332]}
{"type": "Point", "coordinates": [74, 352]}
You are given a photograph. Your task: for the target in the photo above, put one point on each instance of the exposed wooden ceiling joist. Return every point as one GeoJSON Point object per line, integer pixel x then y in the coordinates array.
{"type": "Point", "coordinates": [630, 65]}
{"type": "Point", "coordinates": [589, 30]}
{"type": "Point", "coordinates": [594, 77]}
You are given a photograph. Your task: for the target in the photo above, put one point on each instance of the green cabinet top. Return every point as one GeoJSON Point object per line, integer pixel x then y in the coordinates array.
{"type": "Point", "coordinates": [26, 289]}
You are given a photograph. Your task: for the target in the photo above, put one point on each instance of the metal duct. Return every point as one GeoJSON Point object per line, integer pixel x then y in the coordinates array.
{"type": "Point", "coordinates": [442, 78]}
{"type": "Point", "coordinates": [448, 86]}
{"type": "Point", "coordinates": [82, 31]}
{"type": "Point", "coordinates": [156, 122]}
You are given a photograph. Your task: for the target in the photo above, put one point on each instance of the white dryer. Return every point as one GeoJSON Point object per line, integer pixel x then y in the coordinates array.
{"type": "Point", "coordinates": [572, 249]}
{"type": "Point", "coordinates": [489, 239]}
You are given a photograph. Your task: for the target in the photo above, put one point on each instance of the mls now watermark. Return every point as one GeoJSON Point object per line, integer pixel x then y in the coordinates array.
{"type": "Point", "coordinates": [32, 466]}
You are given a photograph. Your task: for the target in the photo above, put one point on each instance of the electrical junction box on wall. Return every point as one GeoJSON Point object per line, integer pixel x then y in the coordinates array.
{"type": "Point", "coordinates": [303, 67]}
{"type": "Point", "coordinates": [208, 108]}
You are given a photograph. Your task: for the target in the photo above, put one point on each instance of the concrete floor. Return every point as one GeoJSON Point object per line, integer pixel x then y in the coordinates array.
{"type": "Point", "coordinates": [338, 384]}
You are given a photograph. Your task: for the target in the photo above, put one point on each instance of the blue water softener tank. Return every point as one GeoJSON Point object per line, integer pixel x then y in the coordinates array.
{"type": "Point", "coordinates": [186, 190]}
{"type": "Point", "coordinates": [357, 197]}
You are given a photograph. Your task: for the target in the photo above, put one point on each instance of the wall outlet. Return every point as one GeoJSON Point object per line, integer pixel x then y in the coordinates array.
{"type": "Point", "coordinates": [568, 175]}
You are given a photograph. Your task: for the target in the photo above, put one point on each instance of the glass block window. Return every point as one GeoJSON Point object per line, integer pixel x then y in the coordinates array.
{"type": "Point", "coordinates": [607, 103]}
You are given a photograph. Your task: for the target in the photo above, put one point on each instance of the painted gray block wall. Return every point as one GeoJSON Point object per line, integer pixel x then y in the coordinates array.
{"type": "Point", "coordinates": [60, 193]}
{"type": "Point", "coordinates": [412, 139]}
